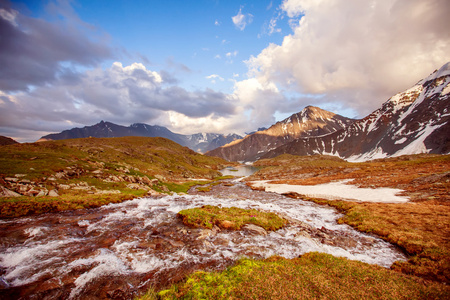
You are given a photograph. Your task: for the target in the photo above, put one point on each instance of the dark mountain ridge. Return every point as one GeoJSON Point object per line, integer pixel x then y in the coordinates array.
{"type": "Point", "coordinates": [200, 142]}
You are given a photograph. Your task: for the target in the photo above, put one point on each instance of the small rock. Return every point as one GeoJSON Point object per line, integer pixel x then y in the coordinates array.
{"type": "Point", "coordinates": [4, 192]}
{"type": "Point", "coordinates": [11, 179]}
{"type": "Point", "coordinates": [225, 224]}
{"type": "Point", "coordinates": [254, 229]}
{"type": "Point", "coordinates": [42, 193]}
{"type": "Point", "coordinates": [53, 193]}
{"type": "Point", "coordinates": [64, 187]}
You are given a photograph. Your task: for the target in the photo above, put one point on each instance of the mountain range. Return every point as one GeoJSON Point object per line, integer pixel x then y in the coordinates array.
{"type": "Point", "coordinates": [199, 142]}
{"type": "Point", "coordinates": [410, 122]}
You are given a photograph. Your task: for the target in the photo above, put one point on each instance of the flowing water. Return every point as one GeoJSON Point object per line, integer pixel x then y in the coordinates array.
{"type": "Point", "coordinates": [119, 250]}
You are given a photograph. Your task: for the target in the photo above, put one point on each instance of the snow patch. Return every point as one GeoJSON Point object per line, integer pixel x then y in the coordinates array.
{"type": "Point", "coordinates": [337, 191]}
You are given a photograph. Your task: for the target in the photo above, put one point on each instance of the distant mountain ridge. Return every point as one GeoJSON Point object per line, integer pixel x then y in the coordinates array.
{"type": "Point", "coordinates": [311, 121]}
{"type": "Point", "coordinates": [199, 142]}
{"type": "Point", "coordinates": [411, 122]}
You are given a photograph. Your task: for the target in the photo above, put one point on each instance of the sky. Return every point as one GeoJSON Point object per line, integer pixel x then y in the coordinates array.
{"type": "Point", "coordinates": [220, 66]}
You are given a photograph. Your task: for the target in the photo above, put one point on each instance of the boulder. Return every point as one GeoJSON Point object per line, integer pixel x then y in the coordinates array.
{"type": "Point", "coordinates": [254, 229]}
{"type": "Point", "coordinates": [4, 192]}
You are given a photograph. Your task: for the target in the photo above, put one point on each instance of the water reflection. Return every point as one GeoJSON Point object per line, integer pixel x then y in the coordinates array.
{"type": "Point", "coordinates": [239, 171]}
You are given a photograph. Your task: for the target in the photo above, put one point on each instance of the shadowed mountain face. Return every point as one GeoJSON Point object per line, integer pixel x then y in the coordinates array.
{"type": "Point", "coordinates": [200, 142]}
{"type": "Point", "coordinates": [6, 141]}
{"type": "Point", "coordinates": [414, 121]}
{"type": "Point", "coordinates": [311, 121]}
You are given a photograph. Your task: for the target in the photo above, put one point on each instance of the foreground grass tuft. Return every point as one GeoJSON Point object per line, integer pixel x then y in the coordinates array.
{"type": "Point", "coordinates": [230, 218]}
{"type": "Point", "coordinates": [311, 276]}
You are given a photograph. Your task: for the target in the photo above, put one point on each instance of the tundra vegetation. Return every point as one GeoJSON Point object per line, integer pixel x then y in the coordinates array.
{"type": "Point", "coordinates": [85, 173]}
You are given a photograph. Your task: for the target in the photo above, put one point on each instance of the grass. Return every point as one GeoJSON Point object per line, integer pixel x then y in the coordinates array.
{"type": "Point", "coordinates": [26, 206]}
{"type": "Point", "coordinates": [421, 230]}
{"type": "Point", "coordinates": [311, 276]}
{"type": "Point", "coordinates": [230, 218]}
{"type": "Point", "coordinates": [176, 166]}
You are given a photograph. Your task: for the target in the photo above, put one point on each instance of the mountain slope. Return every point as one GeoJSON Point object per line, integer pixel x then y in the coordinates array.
{"type": "Point", "coordinates": [311, 121]}
{"type": "Point", "coordinates": [200, 142]}
{"type": "Point", "coordinates": [6, 141]}
{"type": "Point", "coordinates": [414, 121]}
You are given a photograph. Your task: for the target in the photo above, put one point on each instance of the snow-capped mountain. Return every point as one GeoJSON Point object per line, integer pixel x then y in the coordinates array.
{"type": "Point", "coordinates": [311, 121]}
{"type": "Point", "coordinates": [200, 142]}
{"type": "Point", "coordinates": [414, 121]}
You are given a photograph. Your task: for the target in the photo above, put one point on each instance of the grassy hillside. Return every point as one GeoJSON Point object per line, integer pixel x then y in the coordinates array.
{"type": "Point", "coordinates": [90, 172]}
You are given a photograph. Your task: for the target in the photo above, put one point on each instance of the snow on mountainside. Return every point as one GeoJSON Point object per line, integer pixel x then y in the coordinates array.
{"type": "Point", "coordinates": [311, 121]}
{"type": "Point", "coordinates": [414, 121]}
{"type": "Point", "coordinates": [200, 142]}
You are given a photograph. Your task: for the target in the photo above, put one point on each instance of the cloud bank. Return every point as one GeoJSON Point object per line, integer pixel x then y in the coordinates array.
{"type": "Point", "coordinates": [357, 53]}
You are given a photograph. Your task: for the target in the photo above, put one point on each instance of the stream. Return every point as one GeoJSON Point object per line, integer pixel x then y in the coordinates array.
{"type": "Point", "coordinates": [118, 251]}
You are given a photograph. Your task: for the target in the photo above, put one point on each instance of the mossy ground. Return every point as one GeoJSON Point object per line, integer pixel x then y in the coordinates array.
{"type": "Point", "coordinates": [230, 218]}
{"type": "Point", "coordinates": [311, 276]}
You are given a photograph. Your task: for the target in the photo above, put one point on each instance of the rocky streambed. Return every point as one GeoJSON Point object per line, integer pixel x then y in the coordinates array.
{"type": "Point", "coordinates": [119, 250]}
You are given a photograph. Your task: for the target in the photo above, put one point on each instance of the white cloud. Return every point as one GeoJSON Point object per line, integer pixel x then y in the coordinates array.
{"type": "Point", "coordinates": [217, 23]}
{"type": "Point", "coordinates": [231, 54]}
{"type": "Point", "coordinates": [242, 20]}
{"type": "Point", "coordinates": [357, 52]}
{"type": "Point", "coordinates": [214, 78]}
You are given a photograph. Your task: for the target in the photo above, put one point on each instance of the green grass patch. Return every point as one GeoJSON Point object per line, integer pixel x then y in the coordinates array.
{"type": "Point", "coordinates": [230, 218]}
{"type": "Point", "coordinates": [311, 276]}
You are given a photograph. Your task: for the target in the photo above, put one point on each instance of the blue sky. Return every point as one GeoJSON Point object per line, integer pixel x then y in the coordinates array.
{"type": "Point", "coordinates": [208, 65]}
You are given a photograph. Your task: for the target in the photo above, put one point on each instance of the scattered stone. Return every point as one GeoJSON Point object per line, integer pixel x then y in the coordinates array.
{"type": "Point", "coordinates": [53, 193]}
{"type": "Point", "coordinates": [64, 187]}
{"type": "Point", "coordinates": [20, 175]}
{"type": "Point", "coordinates": [4, 192]}
{"type": "Point", "coordinates": [11, 179]}
{"type": "Point", "coordinates": [42, 193]}
{"type": "Point", "coordinates": [254, 229]}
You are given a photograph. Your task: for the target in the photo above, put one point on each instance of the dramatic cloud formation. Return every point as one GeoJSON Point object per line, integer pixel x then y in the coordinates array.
{"type": "Point", "coordinates": [357, 53]}
{"type": "Point", "coordinates": [35, 52]}
{"type": "Point", "coordinates": [242, 20]}
{"type": "Point", "coordinates": [118, 94]}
